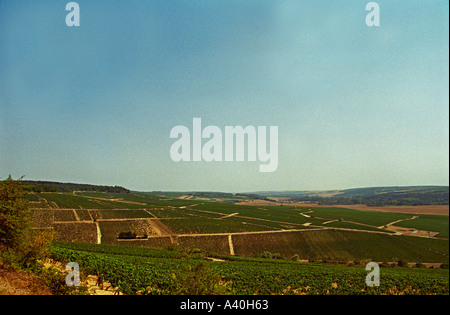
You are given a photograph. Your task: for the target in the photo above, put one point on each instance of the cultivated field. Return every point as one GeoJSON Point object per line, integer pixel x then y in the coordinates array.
{"type": "Point", "coordinates": [310, 233]}
{"type": "Point", "coordinates": [134, 270]}
{"type": "Point", "coordinates": [213, 243]}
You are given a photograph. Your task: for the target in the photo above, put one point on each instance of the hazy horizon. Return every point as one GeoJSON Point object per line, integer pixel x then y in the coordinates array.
{"type": "Point", "coordinates": [243, 192]}
{"type": "Point", "coordinates": [355, 106]}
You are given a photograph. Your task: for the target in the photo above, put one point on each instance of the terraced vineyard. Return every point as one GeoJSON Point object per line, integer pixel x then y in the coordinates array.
{"type": "Point", "coordinates": [310, 233]}
{"type": "Point", "coordinates": [125, 231]}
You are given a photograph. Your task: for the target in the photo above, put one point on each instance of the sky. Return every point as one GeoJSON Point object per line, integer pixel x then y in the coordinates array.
{"type": "Point", "coordinates": [355, 106]}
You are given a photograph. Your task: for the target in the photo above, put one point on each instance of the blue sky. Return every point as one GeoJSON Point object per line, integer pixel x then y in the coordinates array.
{"type": "Point", "coordinates": [356, 106]}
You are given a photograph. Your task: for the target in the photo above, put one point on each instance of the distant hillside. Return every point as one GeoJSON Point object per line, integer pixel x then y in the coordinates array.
{"type": "Point", "coordinates": [372, 196]}
{"type": "Point", "coordinates": [210, 195]}
{"type": "Point", "coordinates": [46, 186]}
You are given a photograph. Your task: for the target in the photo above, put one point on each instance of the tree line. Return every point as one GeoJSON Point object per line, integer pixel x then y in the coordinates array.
{"type": "Point", "coordinates": [384, 199]}
{"type": "Point", "coordinates": [46, 186]}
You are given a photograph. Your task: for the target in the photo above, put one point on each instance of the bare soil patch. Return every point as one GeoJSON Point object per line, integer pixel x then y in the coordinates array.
{"type": "Point", "coordinates": [411, 231]}
{"type": "Point", "coordinates": [13, 282]}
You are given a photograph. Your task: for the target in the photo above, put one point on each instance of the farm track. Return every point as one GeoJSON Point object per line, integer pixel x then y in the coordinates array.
{"type": "Point", "coordinates": [76, 215]}
{"type": "Point", "coordinates": [397, 221]}
{"type": "Point", "coordinates": [99, 233]}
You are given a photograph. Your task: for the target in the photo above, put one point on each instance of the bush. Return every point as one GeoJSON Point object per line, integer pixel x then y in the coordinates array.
{"type": "Point", "coordinates": [55, 280]}
{"type": "Point", "coordinates": [14, 214]}
{"type": "Point", "coordinates": [20, 246]}
{"type": "Point", "coordinates": [402, 263]}
{"type": "Point", "coordinates": [277, 256]}
{"type": "Point", "coordinates": [267, 254]}
{"type": "Point", "coordinates": [198, 280]}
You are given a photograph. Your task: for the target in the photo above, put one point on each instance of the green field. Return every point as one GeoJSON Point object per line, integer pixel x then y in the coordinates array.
{"type": "Point", "coordinates": [151, 271]}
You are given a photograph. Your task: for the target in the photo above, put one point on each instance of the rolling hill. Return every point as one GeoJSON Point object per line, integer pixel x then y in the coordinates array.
{"type": "Point", "coordinates": [375, 196]}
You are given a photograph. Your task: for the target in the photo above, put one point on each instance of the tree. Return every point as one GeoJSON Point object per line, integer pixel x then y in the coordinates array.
{"type": "Point", "coordinates": [20, 245]}
{"type": "Point", "coordinates": [14, 214]}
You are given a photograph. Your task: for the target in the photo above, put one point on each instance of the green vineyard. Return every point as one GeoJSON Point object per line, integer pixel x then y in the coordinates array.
{"type": "Point", "coordinates": [151, 243]}
{"type": "Point", "coordinates": [149, 271]}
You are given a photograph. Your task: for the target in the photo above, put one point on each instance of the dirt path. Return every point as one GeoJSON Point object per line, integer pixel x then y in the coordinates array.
{"type": "Point", "coordinates": [230, 244]}
{"type": "Point", "coordinates": [76, 215]}
{"type": "Point", "coordinates": [393, 222]}
{"type": "Point", "coordinates": [408, 231]}
{"type": "Point", "coordinates": [99, 233]}
{"type": "Point", "coordinates": [228, 216]}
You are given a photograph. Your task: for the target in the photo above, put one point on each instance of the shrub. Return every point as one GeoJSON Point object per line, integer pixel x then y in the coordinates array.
{"type": "Point", "coordinates": [14, 214]}
{"type": "Point", "coordinates": [20, 246]}
{"type": "Point", "coordinates": [277, 256]}
{"type": "Point", "coordinates": [402, 263]}
{"type": "Point", "coordinates": [200, 279]}
{"type": "Point", "coordinates": [269, 255]}
{"type": "Point", "coordinates": [55, 280]}
{"type": "Point", "coordinates": [266, 254]}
